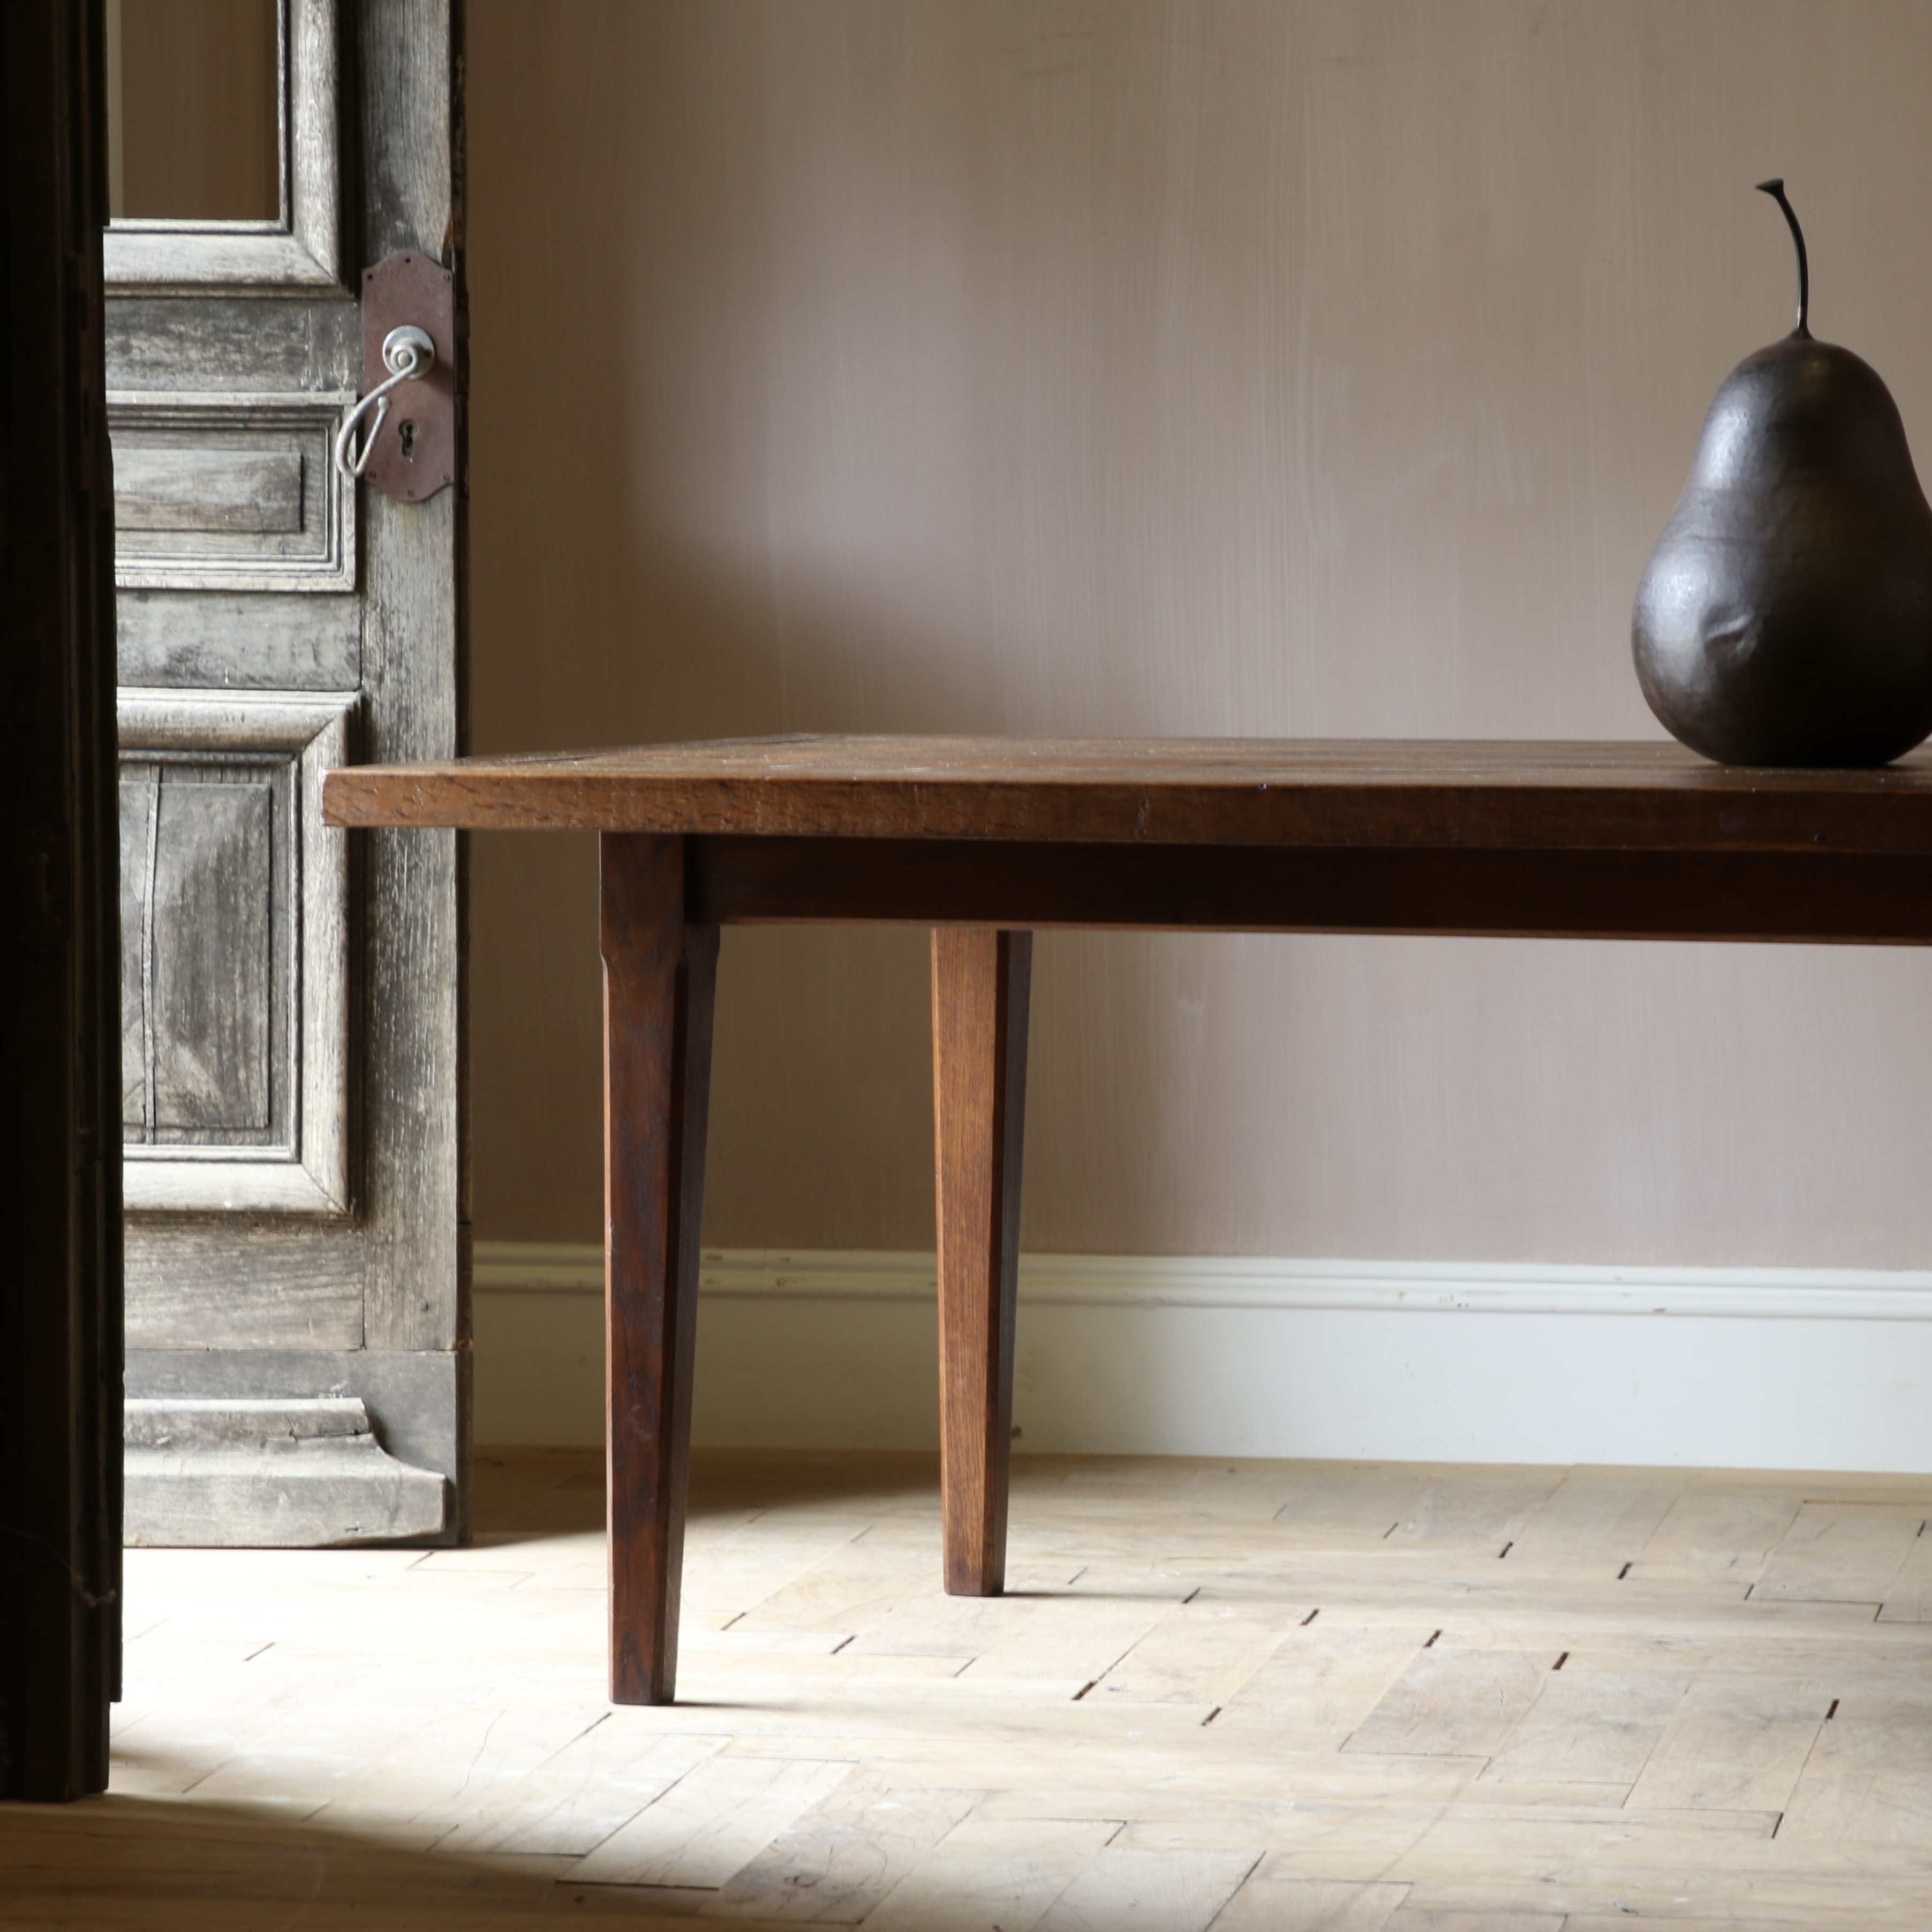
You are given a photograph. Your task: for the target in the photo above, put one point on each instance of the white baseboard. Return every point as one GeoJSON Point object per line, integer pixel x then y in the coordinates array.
{"type": "Point", "coordinates": [1212, 1355]}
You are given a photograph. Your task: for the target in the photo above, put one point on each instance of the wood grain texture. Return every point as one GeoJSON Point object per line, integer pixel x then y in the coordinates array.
{"type": "Point", "coordinates": [1908, 1597]}
{"type": "Point", "coordinates": [231, 490]}
{"type": "Point", "coordinates": [1453, 1703]}
{"type": "Point", "coordinates": [1735, 1743]}
{"type": "Point", "coordinates": [1322, 1682]}
{"type": "Point", "coordinates": [199, 1003]}
{"type": "Point", "coordinates": [414, 1121]}
{"type": "Point", "coordinates": [228, 641]}
{"type": "Point", "coordinates": [414, 1397]}
{"type": "Point", "coordinates": [1202, 1653]}
{"type": "Point", "coordinates": [195, 913]}
{"type": "Point", "coordinates": [713, 1821]}
{"type": "Point", "coordinates": [1841, 1552]}
{"type": "Point", "coordinates": [1152, 1891]}
{"type": "Point", "coordinates": [981, 991]}
{"type": "Point", "coordinates": [1716, 1534]}
{"type": "Point", "coordinates": [1297, 837]}
{"type": "Point", "coordinates": [303, 1288]}
{"type": "Point", "coordinates": [992, 1871]}
{"type": "Point", "coordinates": [1269, 1902]}
{"type": "Point", "coordinates": [1869, 1776]}
{"type": "Point", "coordinates": [659, 980]}
{"type": "Point", "coordinates": [60, 1170]}
{"type": "Point", "coordinates": [836, 1863]}
{"type": "Point", "coordinates": [1482, 1510]}
{"type": "Point", "coordinates": [1581, 842]}
{"type": "Point", "coordinates": [266, 340]}
{"type": "Point", "coordinates": [1590, 1727]}
{"type": "Point", "coordinates": [1576, 1532]}
{"type": "Point", "coordinates": [1305, 792]}
{"type": "Point", "coordinates": [267, 1474]}
{"type": "Point", "coordinates": [255, 491]}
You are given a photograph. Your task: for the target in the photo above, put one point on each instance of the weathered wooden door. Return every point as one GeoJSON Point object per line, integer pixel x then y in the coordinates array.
{"type": "Point", "coordinates": [292, 1009]}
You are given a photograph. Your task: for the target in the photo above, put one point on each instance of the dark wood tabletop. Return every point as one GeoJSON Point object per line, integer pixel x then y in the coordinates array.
{"type": "Point", "coordinates": [1519, 795]}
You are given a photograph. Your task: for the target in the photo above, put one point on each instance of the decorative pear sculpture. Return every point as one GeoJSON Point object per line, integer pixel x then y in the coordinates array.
{"type": "Point", "coordinates": [1785, 617]}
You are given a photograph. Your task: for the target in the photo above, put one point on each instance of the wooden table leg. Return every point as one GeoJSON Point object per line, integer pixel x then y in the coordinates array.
{"type": "Point", "coordinates": [980, 982]}
{"type": "Point", "coordinates": [659, 974]}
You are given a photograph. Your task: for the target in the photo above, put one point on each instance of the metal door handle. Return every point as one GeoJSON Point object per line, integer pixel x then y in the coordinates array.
{"type": "Point", "coordinates": [409, 355]}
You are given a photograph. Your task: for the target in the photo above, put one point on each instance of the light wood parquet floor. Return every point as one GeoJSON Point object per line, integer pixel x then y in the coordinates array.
{"type": "Point", "coordinates": [1250, 1697]}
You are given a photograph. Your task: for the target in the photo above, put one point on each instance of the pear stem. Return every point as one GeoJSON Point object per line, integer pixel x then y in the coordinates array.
{"type": "Point", "coordinates": [1775, 189]}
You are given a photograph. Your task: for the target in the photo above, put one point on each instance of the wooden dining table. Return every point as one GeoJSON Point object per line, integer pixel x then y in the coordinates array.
{"type": "Point", "coordinates": [986, 841]}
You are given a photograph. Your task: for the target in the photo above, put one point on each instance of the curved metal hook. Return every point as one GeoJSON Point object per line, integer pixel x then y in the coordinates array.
{"type": "Point", "coordinates": [409, 355]}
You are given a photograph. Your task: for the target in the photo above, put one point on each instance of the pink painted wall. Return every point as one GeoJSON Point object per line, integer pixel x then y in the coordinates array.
{"type": "Point", "coordinates": [1038, 365]}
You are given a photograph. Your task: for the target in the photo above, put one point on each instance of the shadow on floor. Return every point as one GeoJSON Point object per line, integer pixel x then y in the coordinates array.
{"type": "Point", "coordinates": [146, 1862]}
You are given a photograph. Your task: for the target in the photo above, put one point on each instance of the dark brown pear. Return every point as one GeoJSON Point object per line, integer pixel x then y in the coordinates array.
{"type": "Point", "coordinates": [1785, 617]}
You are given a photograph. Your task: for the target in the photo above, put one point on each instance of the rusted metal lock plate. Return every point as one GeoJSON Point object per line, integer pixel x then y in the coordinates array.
{"type": "Point", "coordinates": [415, 455]}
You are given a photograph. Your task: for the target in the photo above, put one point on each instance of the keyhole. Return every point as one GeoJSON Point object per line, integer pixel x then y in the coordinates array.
{"type": "Point", "coordinates": [407, 431]}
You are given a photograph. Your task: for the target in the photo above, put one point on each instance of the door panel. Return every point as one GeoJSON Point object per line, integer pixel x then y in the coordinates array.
{"type": "Point", "coordinates": [234, 492]}
{"type": "Point", "coordinates": [159, 486]}
{"type": "Point", "coordinates": [291, 1022]}
{"type": "Point", "coordinates": [236, 924]}
{"type": "Point", "coordinates": [271, 340]}
{"type": "Point", "coordinates": [209, 978]}
{"type": "Point", "coordinates": [181, 640]}
{"type": "Point", "coordinates": [301, 1290]}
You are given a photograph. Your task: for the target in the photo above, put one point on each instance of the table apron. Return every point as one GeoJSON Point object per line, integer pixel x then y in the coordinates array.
{"type": "Point", "coordinates": [1801, 897]}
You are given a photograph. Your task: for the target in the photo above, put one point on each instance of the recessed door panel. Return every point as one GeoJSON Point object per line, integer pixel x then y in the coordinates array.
{"type": "Point", "coordinates": [211, 1017]}
{"type": "Point", "coordinates": [229, 493]}
{"type": "Point", "coordinates": [234, 918]}
{"type": "Point", "coordinates": [208, 948]}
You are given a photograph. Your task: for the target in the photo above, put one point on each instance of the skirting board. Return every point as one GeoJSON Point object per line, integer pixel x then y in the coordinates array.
{"type": "Point", "coordinates": [1224, 1356]}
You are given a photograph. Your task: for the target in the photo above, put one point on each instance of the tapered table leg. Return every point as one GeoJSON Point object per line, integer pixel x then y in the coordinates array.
{"type": "Point", "coordinates": [980, 982]}
{"type": "Point", "coordinates": [659, 975]}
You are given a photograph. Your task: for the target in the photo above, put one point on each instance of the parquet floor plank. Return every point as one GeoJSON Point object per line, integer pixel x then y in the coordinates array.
{"type": "Point", "coordinates": [1453, 1703]}
{"type": "Point", "coordinates": [1840, 1552]}
{"type": "Point", "coordinates": [1152, 1891]}
{"type": "Point", "coordinates": [838, 1861]}
{"type": "Point", "coordinates": [1321, 1681]}
{"type": "Point", "coordinates": [1007, 1872]}
{"type": "Point", "coordinates": [1589, 1727]}
{"type": "Point", "coordinates": [712, 1823]}
{"type": "Point", "coordinates": [1201, 1652]}
{"type": "Point", "coordinates": [1908, 1598]}
{"type": "Point", "coordinates": [1734, 1745]}
{"type": "Point", "coordinates": [1717, 1533]}
{"type": "Point", "coordinates": [1270, 1902]}
{"type": "Point", "coordinates": [1597, 1521]}
{"type": "Point", "coordinates": [1869, 1775]}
